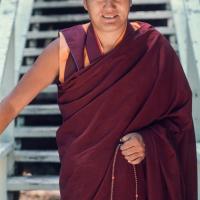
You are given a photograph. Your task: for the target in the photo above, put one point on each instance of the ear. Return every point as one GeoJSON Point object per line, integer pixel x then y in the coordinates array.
{"type": "Point", "coordinates": [85, 5]}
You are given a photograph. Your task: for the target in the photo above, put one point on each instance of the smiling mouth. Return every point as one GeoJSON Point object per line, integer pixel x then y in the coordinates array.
{"type": "Point", "coordinates": [109, 17]}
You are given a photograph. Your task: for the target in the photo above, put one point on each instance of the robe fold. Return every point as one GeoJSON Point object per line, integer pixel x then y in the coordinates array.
{"type": "Point", "coordinates": [139, 86]}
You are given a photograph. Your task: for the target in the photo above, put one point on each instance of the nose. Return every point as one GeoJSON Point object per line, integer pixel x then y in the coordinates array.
{"type": "Point", "coordinates": [109, 3]}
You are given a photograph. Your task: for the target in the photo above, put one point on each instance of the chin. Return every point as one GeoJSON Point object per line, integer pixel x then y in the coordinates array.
{"type": "Point", "coordinates": [109, 27]}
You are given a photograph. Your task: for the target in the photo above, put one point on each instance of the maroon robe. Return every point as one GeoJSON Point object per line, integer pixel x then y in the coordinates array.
{"type": "Point", "coordinates": [139, 86]}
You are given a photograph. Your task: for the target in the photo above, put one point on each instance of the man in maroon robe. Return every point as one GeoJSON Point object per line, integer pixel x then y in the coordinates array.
{"type": "Point", "coordinates": [132, 91]}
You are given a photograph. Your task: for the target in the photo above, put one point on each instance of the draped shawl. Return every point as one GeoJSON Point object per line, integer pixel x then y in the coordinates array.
{"type": "Point", "coordinates": [139, 86]}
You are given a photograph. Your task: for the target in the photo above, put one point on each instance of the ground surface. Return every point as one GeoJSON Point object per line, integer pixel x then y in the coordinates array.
{"type": "Point", "coordinates": [39, 195]}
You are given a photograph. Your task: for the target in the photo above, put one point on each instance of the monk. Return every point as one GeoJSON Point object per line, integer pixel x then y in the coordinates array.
{"type": "Point", "coordinates": [127, 130]}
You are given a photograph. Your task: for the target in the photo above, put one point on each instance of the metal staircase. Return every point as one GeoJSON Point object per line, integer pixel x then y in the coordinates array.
{"type": "Point", "coordinates": [36, 163]}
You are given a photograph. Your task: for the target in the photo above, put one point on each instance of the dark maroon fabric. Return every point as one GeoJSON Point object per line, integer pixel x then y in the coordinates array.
{"type": "Point", "coordinates": [139, 86]}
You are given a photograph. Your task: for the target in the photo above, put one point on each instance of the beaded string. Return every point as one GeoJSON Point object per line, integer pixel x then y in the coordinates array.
{"type": "Point", "coordinates": [113, 176]}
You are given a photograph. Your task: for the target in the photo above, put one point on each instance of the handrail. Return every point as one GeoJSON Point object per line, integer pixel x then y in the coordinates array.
{"type": "Point", "coordinates": [5, 149]}
{"type": "Point", "coordinates": [192, 8]}
{"type": "Point", "coordinates": [186, 14]}
{"type": "Point", "coordinates": [7, 16]}
{"type": "Point", "coordinates": [13, 29]}
{"type": "Point", "coordinates": [8, 9]}
{"type": "Point", "coordinates": [12, 37]}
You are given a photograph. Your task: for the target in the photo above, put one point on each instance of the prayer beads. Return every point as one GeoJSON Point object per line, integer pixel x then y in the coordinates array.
{"type": "Point", "coordinates": [113, 176]}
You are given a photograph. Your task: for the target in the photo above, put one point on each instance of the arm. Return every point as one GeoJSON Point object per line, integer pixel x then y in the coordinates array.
{"type": "Point", "coordinates": [41, 74]}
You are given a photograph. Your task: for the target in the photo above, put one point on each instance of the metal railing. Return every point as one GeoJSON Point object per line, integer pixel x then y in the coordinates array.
{"type": "Point", "coordinates": [7, 72]}
{"type": "Point", "coordinates": [14, 23]}
{"type": "Point", "coordinates": [186, 14]}
{"type": "Point", "coordinates": [187, 19]}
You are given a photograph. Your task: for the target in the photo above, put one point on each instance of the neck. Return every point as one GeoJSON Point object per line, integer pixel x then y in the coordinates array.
{"type": "Point", "coordinates": [109, 39]}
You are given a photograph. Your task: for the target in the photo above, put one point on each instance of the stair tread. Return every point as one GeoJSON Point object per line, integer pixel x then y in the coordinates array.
{"type": "Point", "coordinates": [47, 182]}
{"type": "Point", "coordinates": [35, 132]}
{"type": "Point", "coordinates": [70, 3]}
{"type": "Point", "coordinates": [44, 109]}
{"type": "Point", "coordinates": [37, 51]}
{"type": "Point", "coordinates": [142, 15]}
{"type": "Point", "coordinates": [36, 156]}
{"type": "Point", "coordinates": [54, 34]}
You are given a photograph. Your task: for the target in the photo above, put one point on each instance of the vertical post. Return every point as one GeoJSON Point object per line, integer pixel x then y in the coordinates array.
{"type": "Point", "coordinates": [5, 149]}
{"type": "Point", "coordinates": [186, 16]}
{"type": "Point", "coordinates": [3, 178]}
{"type": "Point", "coordinates": [192, 8]}
{"type": "Point", "coordinates": [8, 83]}
{"type": "Point", "coordinates": [179, 20]}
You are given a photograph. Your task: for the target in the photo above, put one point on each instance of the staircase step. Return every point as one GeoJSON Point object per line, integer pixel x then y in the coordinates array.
{"type": "Point", "coordinates": [142, 15]}
{"type": "Point", "coordinates": [32, 51]}
{"type": "Point", "coordinates": [50, 89]}
{"type": "Point", "coordinates": [73, 3]}
{"type": "Point", "coordinates": [37, 51]}
{"type": "Point", "coordinates": [53, 34]}
{"type": "Point", "coordinates": [36, 156]}
{"type": "Point", "coordinates": [17, 183]}
{"type": "Point", "coordinates": [49, 109]}
{"type": "Point", "coordinates": [35, 132]}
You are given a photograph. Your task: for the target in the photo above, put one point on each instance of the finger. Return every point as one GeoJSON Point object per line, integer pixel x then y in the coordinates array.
{"type": "Point", "coordinates": [136, 161]}
{"type": "Point", "coordinates": [134, 156]}
{"type": "Point", "coordinates": [132, 150]}
{"type": "Point", "coordinates": [128, 144]}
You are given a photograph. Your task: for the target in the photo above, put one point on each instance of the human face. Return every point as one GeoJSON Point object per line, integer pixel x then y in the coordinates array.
{"type": "Point", "coordinates": [108, 15]}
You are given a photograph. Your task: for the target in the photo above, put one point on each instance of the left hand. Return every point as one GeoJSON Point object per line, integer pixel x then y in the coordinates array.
{"type": "Point", "coordinates": [133, 148]}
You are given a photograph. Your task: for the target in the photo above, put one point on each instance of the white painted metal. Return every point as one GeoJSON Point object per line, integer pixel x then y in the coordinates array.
{"type": "Point", "coordinates": [50, 109]}
{"type": "Point", "coordinates": [179, 19]}
{"type": "Point", "coordinates": [36, 156]}
{"type": "Point", "coordinates": [54, 34]}
{"type": "Point", "coordinates": [187, 19]}
{"type": "Point", "coordinates": [7, 62]}
{"type": "Point", "coordinates": [21, 29]}
{"type": "Point", "coordinates": [75, 3]}
{"type": "Point", "coordinates": [3, 178]}
{"type": "Point", "coordinates": [186, 16]}
{"type": "Point", "coordinates": [5, 149]}
{"type": "Point", "coordinates": [35, 132]}
{"type": "Point", "coordinates": [143, 15]}
{"type": "Point", "coordinates": [37, 51]}
{"type": "Point", "coordinates": [7, 16]}
{"type": "Point", "coordinates": [33, 183]}
{"type": "Point", "coordinates": [192, 8]}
